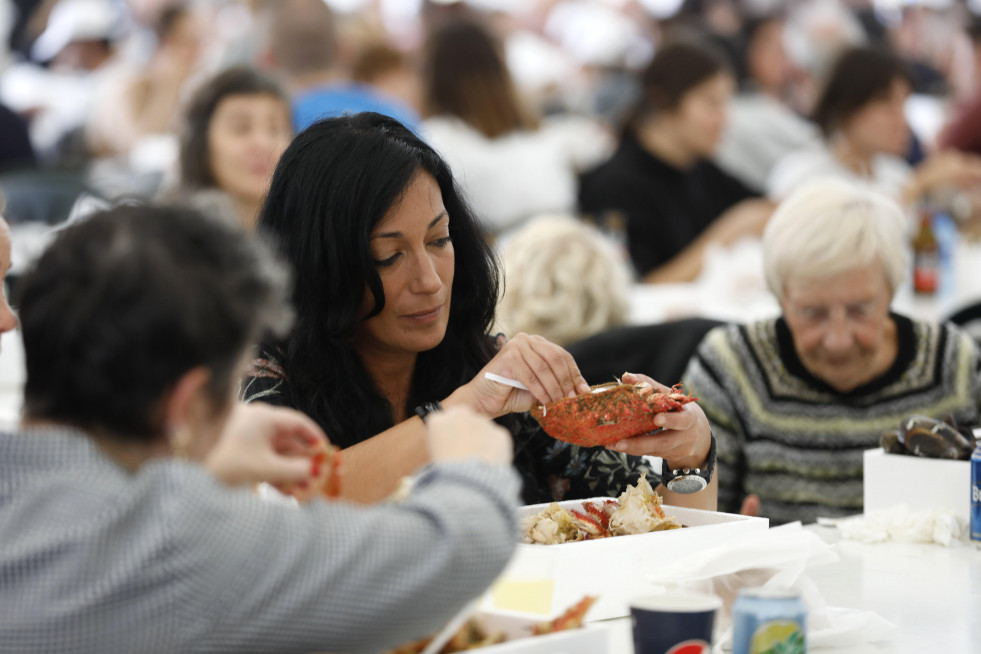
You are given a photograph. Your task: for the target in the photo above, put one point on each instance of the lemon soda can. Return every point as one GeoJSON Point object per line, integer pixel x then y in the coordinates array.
{"type": "Point", "coordinates": [766, 621]}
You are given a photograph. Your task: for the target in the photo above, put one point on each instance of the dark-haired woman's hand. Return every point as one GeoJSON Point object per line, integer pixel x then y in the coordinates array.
{"type": "Point", "coordinates": [549, 372]}
{"type": "Point", "coordinates": [685, 439]}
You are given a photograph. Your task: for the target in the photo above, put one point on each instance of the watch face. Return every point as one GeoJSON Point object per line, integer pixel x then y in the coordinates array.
{"type": "Point", "coordinates": [687, 484]}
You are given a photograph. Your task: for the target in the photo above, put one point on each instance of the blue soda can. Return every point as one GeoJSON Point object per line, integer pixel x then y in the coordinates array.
{"type": "Point", "coordinates": [976, 496]}
{"type": "Point", "coordinates": [766, 621]}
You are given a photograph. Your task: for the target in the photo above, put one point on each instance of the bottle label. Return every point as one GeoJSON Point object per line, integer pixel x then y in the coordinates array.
{"type": "Point", "coordinates": [925, 272]}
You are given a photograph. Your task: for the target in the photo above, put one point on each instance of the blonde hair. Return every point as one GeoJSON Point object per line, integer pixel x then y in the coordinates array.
{"type": "Point", "coordinates": [564, 281]}
{"type": "Point", "coordinates": [832, 226]}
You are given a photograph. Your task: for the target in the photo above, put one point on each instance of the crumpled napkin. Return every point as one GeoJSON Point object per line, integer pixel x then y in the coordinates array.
{"type": "Point", "coordinates": [902, 525]}
{"type": "Point", "coordinates": [775, 559]}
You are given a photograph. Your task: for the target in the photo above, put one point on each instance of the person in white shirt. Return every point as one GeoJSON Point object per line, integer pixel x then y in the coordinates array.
{"type": "Point", "coordinates": [511, 165]}
{"type": "Point", "coordinates": [861, 114]}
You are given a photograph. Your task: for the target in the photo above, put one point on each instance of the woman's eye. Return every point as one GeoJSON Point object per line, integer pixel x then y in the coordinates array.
{"type": "Point", "coordinates": [387, 262]}
{"type": "Point", "coordinates": [442, 242]}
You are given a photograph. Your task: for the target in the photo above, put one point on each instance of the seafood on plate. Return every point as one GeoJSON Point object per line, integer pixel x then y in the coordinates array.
{"type": "Point", "coordinates": [637, 511]}
{"type": "Point", "coordinates": [474, 634]}
{"type": "Point", "coordinates": [610, 413]}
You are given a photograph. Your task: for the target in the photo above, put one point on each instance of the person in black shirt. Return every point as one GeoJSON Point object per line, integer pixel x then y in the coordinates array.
{"type": "Point", "coordinates": [675, 201]}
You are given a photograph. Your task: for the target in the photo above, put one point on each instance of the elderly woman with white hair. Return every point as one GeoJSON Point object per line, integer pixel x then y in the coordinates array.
{"type": "Point", "coordinates": [794, 401]}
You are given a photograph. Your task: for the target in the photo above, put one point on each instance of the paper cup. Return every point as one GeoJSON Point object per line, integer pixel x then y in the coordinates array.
{"type": "Point", "coordinates": [678, 622]}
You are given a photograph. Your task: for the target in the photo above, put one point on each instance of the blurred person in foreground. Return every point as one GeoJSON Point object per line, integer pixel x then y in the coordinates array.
{"type": "Point", "coordinates": [861, 115]}
{"type": "Point", "coordinates": [129, 519]}
{"type": "Point", "coordinates": [563, 280]}
{"type": "Point", "coordinates": [676, 202]}
{"type": "Point", "coordinates": [395, 295]}
{"type": "Point", "coordinates": [236, 127]}
{"type": "Point", "coordinates": [794, 401]}
{"type": "Point", "coordinates": [511, 164]}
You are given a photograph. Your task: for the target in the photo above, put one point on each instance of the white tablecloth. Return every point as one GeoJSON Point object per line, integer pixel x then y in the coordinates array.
{"type": "Point", "coordinates": [932, 593]}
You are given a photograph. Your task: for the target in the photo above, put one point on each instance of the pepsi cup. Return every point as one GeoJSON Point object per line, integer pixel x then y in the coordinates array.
{"type": "Point", "coordinates": [674, 623]}
{"type": "Point", "coordinates": [976, 496]}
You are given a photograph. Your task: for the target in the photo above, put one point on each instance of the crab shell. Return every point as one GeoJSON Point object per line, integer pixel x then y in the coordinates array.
{"type": "Point", "coordinates": [610, 413]}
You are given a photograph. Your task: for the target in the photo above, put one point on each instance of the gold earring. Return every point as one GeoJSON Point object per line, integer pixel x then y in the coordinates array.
{"type": "Point", "coordinates": [180, 442]}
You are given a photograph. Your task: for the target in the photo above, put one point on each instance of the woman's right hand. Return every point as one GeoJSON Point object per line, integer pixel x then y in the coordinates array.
{"type": "Point", "coordinates": [549, 372]}
{"type": "Point", "coordinates": [458, 433]}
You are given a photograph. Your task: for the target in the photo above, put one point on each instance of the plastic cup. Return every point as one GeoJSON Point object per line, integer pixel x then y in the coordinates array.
{"type": "Point", "coordinates": [678, 622]}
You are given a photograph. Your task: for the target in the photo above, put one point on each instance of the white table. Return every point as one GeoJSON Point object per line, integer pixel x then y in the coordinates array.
{"type": "Point", "coordinates": [12, 377]}
{"type": "Point", "coordinates": [932, 593]}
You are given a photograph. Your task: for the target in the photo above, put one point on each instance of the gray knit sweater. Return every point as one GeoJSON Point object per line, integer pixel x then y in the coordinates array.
{"type": "Point", "coordinates": [796, 442]}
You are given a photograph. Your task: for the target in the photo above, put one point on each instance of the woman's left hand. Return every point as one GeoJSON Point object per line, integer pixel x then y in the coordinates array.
{"type": "Point", "coordinates": [686, 437]}
{"type": "Point", "coordinates": [262, 443]}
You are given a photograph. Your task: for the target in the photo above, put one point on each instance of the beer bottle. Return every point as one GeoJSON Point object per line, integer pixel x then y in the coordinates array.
{"type": "Point", "coordinates": [926, 259]}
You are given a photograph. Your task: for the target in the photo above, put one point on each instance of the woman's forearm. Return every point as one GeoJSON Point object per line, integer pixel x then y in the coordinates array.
{"type": "Point", "coordinates": [373, 469]}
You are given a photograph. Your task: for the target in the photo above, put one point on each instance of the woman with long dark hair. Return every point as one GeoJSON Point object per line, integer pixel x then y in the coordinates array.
{"type": "Point", "coordinates": [395, 290]}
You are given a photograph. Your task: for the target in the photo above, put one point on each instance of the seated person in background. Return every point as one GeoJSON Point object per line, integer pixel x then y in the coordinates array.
{"type": "Point", "coordinates": [794, 401]}
{"type": "Point", "coordinates": [761, 128]}
{"type": "Point", "coordinates": [861, 113]}
{"type": "Point", "coordinates": [237, 126]}
{"type": "Point", "coordinates": [304, 49]}
{"type": "Point", "coordinates": [117, 535]}
{"type": "Point", "coordinates": [675, 200]}
{"type": "Point", "coordinates": [563, 281]}
{"type": "Point", "coordinates": [395, 295]}
{"type": "Point", "coordinates": [511, 165]}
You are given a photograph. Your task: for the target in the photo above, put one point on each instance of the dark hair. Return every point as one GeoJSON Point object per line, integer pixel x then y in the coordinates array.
{"type": "Point", "coordinates": [465, 75]}
{"type": "Point", "coordinates": [125, 302]}
{"type": "Point", "coordinates": [675, 70]}
{"type": "Point", "coordinates": [859, 76]}
{"type": "Point", "coordinates": [168, 18]}
{"type": "Point", "coordinates": [195, 156]}
{"type": "Point", "coordinates": [333, 184]}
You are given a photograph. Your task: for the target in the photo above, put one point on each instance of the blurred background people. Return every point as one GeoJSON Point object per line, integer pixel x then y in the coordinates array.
{"type": "Point", "coordinates": [861, 114]}
{"type": "Point", "coordinates": [511, 163]}
{"type": "Point", "coordinates": [145, 100]}
{"type": "Point", "coordinates": [795, 401]}
{"type": "Point", "coordinates": [304, 47]}
{"type": "Point", "coordinates": [661, 180]}
{"type": "Point", "coordinates": [237, 126]}
{"type": "Point", "coordinates": [761, 128]}
{"type": "Point", "coordinates": [563, 280]}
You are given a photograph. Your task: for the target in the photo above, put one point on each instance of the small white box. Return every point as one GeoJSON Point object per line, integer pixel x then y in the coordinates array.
{"type": "Point", "coordinates": [587, 640]}
{"type": "Point", "coordinates": [919, 483]}
{"type": "Point", "coordinates": [545, 580]}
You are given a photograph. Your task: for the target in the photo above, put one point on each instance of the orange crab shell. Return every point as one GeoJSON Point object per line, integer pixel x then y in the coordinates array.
{"type": "Point", "coordinates": [609, 414]}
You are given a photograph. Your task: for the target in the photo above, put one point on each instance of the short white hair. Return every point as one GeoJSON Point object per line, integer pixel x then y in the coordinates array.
{"type": "Point", "coordinates": [830, 227]}
{"type": "Point", "coordinates": [563, 280]}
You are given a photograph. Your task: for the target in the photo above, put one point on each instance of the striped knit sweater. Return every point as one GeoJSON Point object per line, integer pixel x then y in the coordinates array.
{"type": "Point", "coordinates": [796, 442]}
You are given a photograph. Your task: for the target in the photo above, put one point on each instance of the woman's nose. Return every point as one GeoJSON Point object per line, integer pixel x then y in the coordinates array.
{"type": "Point", "coordinates": [838, 335]}
{"type": "Point", "coordinates": [426, 279]}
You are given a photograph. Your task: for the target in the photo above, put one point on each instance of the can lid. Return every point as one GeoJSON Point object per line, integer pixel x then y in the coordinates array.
{"type": "Point", "coordinates": [769, 593]}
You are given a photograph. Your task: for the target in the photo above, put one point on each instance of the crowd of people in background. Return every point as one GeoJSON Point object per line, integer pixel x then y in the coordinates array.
{"type": "Point", "coordinates": [456, 187]}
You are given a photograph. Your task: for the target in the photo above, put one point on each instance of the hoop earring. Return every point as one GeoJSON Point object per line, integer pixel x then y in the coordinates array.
{"type": "Point", "coordinates": [180, 442]}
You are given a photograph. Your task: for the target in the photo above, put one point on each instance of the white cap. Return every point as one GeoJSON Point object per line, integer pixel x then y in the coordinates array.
{"type": "Point", "coordinates": [79, 20]}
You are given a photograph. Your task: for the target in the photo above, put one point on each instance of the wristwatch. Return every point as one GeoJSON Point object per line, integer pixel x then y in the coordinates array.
{"type": "Point", "coordinates": [424, 410]}
{"type": "Point", "coordinates": [690, 480]}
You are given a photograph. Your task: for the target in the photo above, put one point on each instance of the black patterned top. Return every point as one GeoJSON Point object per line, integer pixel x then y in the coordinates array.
{"type": "Point", "coordinates": [550, 469]}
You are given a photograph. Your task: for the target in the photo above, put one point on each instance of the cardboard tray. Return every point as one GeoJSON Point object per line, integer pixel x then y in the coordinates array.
{"type": "Point", "coordinates": [917, 482]}
{"type": "Point", "coordinates": [517, 628]}
{"type": "Point", "coordinates": [544, 580]}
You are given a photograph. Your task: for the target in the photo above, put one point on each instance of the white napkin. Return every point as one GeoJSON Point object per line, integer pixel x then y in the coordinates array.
{"type": "Point", "coordinates": [902, 525]}
{"type": "Point", "coordinates": [774, 559]}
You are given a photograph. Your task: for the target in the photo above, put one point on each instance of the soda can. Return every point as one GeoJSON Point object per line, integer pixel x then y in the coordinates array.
{"type": "Point", "coordinates": [768, 621]}
{"type": "Point", "coordinates": [976, 496]}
